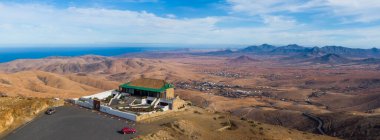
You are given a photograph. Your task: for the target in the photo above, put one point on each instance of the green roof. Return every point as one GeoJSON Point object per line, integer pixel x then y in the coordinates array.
{"type": "Point", "coordinates": [152, 85]}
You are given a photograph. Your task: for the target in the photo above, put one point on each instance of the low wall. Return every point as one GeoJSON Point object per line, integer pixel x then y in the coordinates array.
{"type": "Point", "coordinates": [101, 95]}
{"type": "Point", "coordinates": [87, 103]}
{"type": "Point", "coordinates": [108, 110]}
{"type": "Point", "coordinates": [126, 115]}
{"type": "Point", "coordinates": [84, 104]}
{"type": "Point", "coordinates": [152, 115]}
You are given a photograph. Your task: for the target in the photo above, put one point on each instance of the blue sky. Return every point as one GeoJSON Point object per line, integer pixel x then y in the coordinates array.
{"type": "Point", "coordinates": [352, 23]}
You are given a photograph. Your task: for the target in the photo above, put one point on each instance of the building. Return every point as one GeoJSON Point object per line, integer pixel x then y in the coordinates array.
{"type": "Point", "coordinates": [146, 87]}
{"type": "Point", "coordinates": [157, 93]}
{"type": "Point", "coordinates": [135, 100]}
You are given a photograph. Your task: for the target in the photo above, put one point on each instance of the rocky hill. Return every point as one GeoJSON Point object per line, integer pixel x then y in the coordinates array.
{"type": "Point", "coordinates": [242, 60]}
{"type": "Point", "coordinates": [331, 59]}
{"type": "Point", "coordinates": [292, 49]}
{"type": "Point", "coordinates": [45, 84]}
{"type": "Point", "coordinates": [369, 61]}
{"type": "Point", "coordinates": [117, 69]}
{"type": "Point", "coordinates": [258, 49]}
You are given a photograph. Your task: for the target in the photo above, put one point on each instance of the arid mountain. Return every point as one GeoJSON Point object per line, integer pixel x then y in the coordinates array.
{"type": "Point", "coordinates": [45, 84]}
{"type": "Point", "coordinates": [369, 61]}
{"type": "Point", "coordinates": [117, 69]}
{"type": "Point", "coordinates": [62, 65]}
{"type": "Point", "coordinates": [321, 58]}
{"type": "Point", "coordinates": [330, 59]}
{"type": "Point", "coordinates": [258, 49]}
{"type": "Point", "coordinates": [350, 52]}
{"type": "Point", "coordinates": [294, 49]}
{"type": "Point", "coordinates": [242, 60]}
{"type": "Point", "coordinates": [290, 49]}
{"type": "Point", "coordinates": [313, 53]}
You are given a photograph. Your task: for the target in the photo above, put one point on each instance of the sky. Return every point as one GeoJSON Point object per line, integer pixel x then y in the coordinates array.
{"type": "Point", "coordinates": [351, 23]}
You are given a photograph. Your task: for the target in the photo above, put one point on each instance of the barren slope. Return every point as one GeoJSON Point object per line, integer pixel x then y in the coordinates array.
{"type": "Point", "coordinates": [116, 69]}
{"type": "Point", "coordinates": [44, 84]}
{"type": "Point", "coordinates": [195, 123]}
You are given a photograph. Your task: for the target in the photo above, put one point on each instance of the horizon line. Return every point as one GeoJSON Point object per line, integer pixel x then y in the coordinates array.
{"type": "Point", "coordinates": [164, 45]}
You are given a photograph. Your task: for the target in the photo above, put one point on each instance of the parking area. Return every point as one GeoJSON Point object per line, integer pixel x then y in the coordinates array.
{"type": "Point", "coordinates": [72, 122]}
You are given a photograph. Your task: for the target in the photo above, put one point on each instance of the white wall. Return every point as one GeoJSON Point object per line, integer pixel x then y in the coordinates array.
{"type": "Point", "coordinates": [84, 104]}
{"type": "Point", "coordinates": [126, 115]}
{"type": "Point", "coordinates": [108, 110]}
{"type": "Point", "coordinates": [165, 108]}
{"type": "Point", "coordinates": [101, 95]}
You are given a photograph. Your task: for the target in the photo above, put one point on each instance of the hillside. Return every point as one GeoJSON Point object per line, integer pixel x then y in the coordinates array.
{"type": "Point", "coordinates": [330, 59]}
{"type": "Point", "coordinates": [59, 64]}
{"type": "Point", "coordinates": [195, 123]}
{"type": "Point", "coordinates": [258, 49]}
{"type": "Point", "coordinates": [45, 84]}
{"type": "Point", "coordinates": [242, 60]}
{"type": "Point", "coordinates": [116, 69]}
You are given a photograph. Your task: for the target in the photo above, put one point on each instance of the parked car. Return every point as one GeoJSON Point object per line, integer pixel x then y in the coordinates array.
{"type": "Point", "coordinates": [50, 111]}
{"type": "Point", "coordinates": [127, 130]}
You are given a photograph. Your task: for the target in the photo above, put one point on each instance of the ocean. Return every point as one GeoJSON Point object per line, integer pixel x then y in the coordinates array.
{"type": "Point", "coordinates": [10, 54]}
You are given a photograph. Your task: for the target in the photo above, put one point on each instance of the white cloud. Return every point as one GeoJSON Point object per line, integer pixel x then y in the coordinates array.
{"type": "Point", "coordinates": [353, 10]}
{"type": "Point", "coordinates": [359, 10]}
{"type": "Point", "coordinates": [258, 7]}
{"type": "Point", "coordinates": [279, 22]}
{"type": "Point", "coordinates": [171, 16]}
{"type": "Point", "coordinates": [43, 24]}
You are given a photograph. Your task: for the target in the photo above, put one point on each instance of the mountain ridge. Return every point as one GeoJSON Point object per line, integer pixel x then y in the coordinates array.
{"type": "Point", "coordinates": [267, 49]}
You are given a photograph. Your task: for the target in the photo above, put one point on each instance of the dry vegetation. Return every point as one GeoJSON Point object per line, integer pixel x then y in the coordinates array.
{"type": "Point", "coordinates": [197, 123]}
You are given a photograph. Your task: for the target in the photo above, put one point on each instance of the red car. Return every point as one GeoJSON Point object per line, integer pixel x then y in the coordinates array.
{"type": "Point", "coordinates": [127, 130]}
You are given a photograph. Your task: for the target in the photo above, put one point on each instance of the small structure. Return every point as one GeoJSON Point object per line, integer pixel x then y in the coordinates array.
{"type": "Point", "coordinates": [149, 87]}
{"type": "Point", "coordinates": [135, 98]}
{"type": "Point", "coordinates": [156, 92]}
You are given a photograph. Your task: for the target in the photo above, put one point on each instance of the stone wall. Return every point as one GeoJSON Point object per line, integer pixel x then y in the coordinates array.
{"type": "Point", "coordinates": [169, 93]}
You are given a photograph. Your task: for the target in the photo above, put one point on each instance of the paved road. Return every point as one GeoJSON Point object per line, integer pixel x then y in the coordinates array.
{"type": "Point", "coordinates": [72, 123]}
{"type": "Point", "coordinates": [319, 121]}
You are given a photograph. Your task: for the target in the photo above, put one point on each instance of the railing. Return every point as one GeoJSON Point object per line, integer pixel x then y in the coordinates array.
{"type": "Point", "coordinates": [156, 103]}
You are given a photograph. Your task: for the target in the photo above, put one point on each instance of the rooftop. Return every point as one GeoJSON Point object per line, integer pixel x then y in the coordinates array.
{"type": "Point", "coordinates": [148, 84]}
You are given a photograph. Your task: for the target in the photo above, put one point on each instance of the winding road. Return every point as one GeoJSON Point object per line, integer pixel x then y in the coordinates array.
{"type": "Point", "coordinates": [318, 120]}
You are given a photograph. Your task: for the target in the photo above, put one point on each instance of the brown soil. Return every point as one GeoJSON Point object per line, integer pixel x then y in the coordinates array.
{"type": "Point", "coordinates": [197, 123]}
